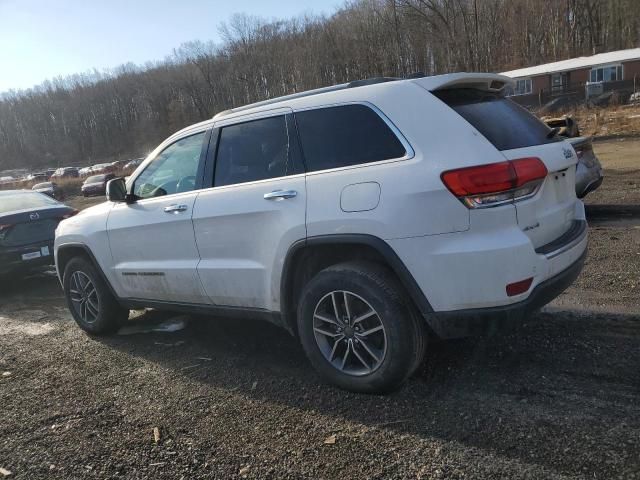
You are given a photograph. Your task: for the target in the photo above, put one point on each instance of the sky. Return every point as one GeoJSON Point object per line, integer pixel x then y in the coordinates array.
{"type": "Point", "coordinates": [43, 39]}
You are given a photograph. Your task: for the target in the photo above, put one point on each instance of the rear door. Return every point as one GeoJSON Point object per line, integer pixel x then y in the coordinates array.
{"type": "Point", "coordinates": [152, 241]}
{"type": "Point", "coordinates": [255, 209]}
{"type": "Point", "coordinates": [516, 133]}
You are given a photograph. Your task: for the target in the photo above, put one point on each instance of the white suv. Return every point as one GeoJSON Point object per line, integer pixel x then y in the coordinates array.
{"type": "Point", "coordinates": [360, 217]}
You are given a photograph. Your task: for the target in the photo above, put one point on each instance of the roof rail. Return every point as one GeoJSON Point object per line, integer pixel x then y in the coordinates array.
{"type": "Point", "coordinates": [308, 93]}
{"type": "Point", "coordinates": [293, 96]}
{"type": "Point", "coordinates": [371, 81]}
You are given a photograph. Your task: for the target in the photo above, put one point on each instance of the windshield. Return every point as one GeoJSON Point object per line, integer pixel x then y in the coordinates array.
{"type": "Point", "coordinates": [13, 201]}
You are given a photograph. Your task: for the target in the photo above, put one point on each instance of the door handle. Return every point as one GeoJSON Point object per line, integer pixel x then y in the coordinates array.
{"type": "Point", "coordinates": [280, 194]}
{"type": "Point", "coordinates": [175, 208]}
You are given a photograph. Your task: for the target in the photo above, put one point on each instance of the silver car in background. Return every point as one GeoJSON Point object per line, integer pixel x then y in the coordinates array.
{"type": "Point", "coordinates": [588, 170]}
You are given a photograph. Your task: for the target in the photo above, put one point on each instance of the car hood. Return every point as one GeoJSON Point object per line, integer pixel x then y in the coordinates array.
{"type": "Point", "coordinates": [100, 209]}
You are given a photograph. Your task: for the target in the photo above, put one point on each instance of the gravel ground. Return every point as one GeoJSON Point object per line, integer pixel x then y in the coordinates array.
{"type": "Point", "coordinates": [560, 398]}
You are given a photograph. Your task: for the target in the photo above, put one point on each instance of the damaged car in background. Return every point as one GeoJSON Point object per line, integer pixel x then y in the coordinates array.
{"type": "Point", "coordinates": [588, 170]}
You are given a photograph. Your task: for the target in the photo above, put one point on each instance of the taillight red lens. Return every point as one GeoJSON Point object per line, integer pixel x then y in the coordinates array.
{"type": "Point", "coordinates": [495, 177]}
{"type": "Point", "coordinates": [517, 288]}
{"type": "Point", "coordinates": [528, 170]}
{"type": "Point", "coordinates": [472, 183]}
{"type": "Point", "coordinates": [70, 214]}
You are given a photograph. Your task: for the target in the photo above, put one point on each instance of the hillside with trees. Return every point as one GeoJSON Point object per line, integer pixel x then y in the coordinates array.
{"type": "Point", "coordinates": [88, 118]}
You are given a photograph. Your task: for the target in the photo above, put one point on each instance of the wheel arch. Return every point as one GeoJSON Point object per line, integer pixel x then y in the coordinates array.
{"type": "Point", "coordinates": [308, 256]}
{"type": "Point", "coordinates": [68, 251]}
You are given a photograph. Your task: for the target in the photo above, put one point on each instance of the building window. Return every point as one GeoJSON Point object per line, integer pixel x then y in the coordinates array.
{"type": "Point", "coordinates": [610, 73]}
{"type": "Point", "coordinates": [523, 87]}
{"type": "Point", "coordinates": [558, 82]}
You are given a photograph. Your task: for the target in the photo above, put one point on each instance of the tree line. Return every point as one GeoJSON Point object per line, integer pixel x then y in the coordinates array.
{"type": "Point", "coordinates": [85, 119]}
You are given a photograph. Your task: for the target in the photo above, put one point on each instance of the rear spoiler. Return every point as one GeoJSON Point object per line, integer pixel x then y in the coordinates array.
{"type": "Point", "coordinates": [490, 82]}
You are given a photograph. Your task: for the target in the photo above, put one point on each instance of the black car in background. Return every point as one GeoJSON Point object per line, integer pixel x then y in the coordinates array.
{"type": "Point", "coordinates": [96, 184]}
{"type": "Point", "coordinates": [28, 222]}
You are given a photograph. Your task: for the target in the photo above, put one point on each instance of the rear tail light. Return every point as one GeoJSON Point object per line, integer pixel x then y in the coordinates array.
{"type": "Point", "coordinates": [70, 214]}
{"type": "Point", "coordinates": [4, 229]}
{"type": "Point", "coordinates": [497, 183]}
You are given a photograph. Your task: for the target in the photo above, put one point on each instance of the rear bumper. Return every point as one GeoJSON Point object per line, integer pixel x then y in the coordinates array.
{"type": "Point", "coordinates": [483, 321]}
{"type": "Point", "coordinates": [11, 257]}
{"type": "Point", "coordinates": [594, 185]}
{"type": "Point", "coordinates": [464, 275]}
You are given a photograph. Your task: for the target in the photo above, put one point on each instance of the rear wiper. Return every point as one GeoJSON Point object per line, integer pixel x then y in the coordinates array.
{"type": "Point", "coordinates": [553, 132]}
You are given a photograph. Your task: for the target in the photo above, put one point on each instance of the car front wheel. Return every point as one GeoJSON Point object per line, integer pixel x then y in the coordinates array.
{"type": "Point", "coordinates": [357, 329]}
{"type": "Point", "coordinates": [92, 305]}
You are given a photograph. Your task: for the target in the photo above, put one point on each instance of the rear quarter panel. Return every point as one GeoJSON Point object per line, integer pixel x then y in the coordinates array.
{"type": "Point", "coordinates": [413, 200]}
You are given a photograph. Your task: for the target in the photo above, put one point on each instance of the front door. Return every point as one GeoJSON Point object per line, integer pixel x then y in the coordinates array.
{"type": "Point", "coordinates": [152, 240]}
{"type": "Point", "coordinates": [255, 210]}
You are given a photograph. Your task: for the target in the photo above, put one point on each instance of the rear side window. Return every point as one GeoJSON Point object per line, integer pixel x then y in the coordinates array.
{"type": "Point", "coordinates": [345, 135]}
{"type": "Point", "coordinates": [252, 151]}
{"type": "Point", "coordinates": [503, 122]}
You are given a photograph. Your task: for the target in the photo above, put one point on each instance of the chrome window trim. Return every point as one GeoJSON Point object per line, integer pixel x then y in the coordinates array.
{"type": "Point", "coordinates": [250, 117]}
{"type": "Point", "coordinates": [253, 182]}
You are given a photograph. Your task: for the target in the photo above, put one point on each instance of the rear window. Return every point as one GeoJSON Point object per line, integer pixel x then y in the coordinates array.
{"type": "Point", "coordinates": [95, 179]}
{"type": "Point", "coordinates": [503, 122]}
{"type": "Point", "coordinates": [345, 135]}
{"type": "Point", "coordinates": [11, 202]}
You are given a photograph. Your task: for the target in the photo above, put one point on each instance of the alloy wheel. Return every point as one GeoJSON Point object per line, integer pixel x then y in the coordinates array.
{"type": "Point", "coordinates": [84, 297]}
{"type": "Point", "coordinates": [349, 333]}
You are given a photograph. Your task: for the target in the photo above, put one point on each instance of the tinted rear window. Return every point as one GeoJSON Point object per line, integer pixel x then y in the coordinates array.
{"type": "Point", "coordinates": [503, 122]}
{"type": "Point", "coordinates": [11, 202]}
{"type": "Point", "coordinates": [345, 135]}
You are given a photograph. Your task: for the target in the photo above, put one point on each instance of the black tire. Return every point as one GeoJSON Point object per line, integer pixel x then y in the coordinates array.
{"type": "Point", "coordinates": [110, 315]}
{"type": "Point", "coordinates": [404, 333]}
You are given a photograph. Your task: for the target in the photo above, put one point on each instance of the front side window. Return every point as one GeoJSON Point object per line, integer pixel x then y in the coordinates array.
{"type": "Point", "coordinates": [345, 135]}
{"type": "Point", "coordinates": [173, 170]}
{"type": "Point", "coordinates": [251, 151]}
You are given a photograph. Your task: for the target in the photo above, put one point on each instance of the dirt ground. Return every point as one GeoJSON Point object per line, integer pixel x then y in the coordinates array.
{"type": "Point", "coordinates": [621, 164]}
{"type": "Point", "coordinates": [560, 398]}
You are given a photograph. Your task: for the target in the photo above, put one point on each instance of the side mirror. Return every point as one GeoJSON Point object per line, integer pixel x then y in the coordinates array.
{"type": "Point", "coordinates": [117, 191]}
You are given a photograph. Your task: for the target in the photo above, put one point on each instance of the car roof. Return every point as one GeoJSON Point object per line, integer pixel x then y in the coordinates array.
{"type": "Point", "coordinates": [356, 90]}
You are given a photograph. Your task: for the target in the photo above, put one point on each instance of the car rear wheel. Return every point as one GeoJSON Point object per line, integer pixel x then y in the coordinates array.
{"type": "Point", "coordinates": [357, 329]}
{"type": "Point", "coordinates": [92, 305]}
